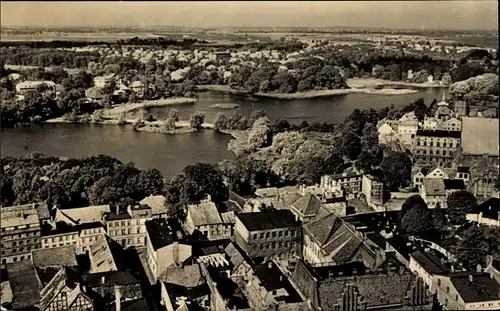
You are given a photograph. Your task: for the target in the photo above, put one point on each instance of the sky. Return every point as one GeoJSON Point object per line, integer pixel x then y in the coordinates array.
{"type": "Point", "coordinates": [473, 15]}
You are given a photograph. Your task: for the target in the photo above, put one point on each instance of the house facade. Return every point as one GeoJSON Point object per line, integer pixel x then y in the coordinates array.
{"type": "Point", "coordinates": [129, 229]}
{"type": "Point", "coordinates": [273, 233]}
{"type": "Point", "coordinates": [206, 219]}
{"type": "Point", "coordinates": [434, 147]}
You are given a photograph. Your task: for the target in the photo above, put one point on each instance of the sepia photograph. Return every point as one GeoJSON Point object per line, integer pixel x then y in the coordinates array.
{"type": "Point", "coordinates": [249, 155]}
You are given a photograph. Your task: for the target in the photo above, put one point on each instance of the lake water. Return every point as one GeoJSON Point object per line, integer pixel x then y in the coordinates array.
{"type": "Point", "coordinates": [170, 153]}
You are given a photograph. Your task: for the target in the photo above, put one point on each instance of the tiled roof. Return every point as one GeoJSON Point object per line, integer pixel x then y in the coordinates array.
{"type": "Point", "coordinates": [267, 220]}
{"type": "Point", "coordinates": [308, 205]}
{"type": "Point", "coordinates": [475, 286]}
{"type": "Point", "coordinates": [434, 186]}
{"type": "Point", "coordinates": [235, 256]}
{"type": "Point", "coordinates": [187, 276]}
{"type": "Point", "coordinates": [289, 199]}
{"type": "Point", "coordinates": [83, 214]}
{"type": "Point", "coordinates": [18, 218]}
{"type": "Point", "coordinates": [157, 203]}
{"type": "Point", "coordinates": [24, 283]}
{"type": "Point", "coordinates": [204, 214]}
{"type": "Point", "coordinates": [55, 257]}
{"type": "Point", "coordinates": [336, 238]}
{"type": "Point", "coordinates": [480, 136]}
{"type": "Point", "coordinates": [101, 257]}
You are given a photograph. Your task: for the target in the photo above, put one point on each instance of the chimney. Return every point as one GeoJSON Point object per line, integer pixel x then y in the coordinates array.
{"type": "Point", "coordinates": [471, 278]}
{"type": "Point", "coordinates": [270, 264]}
{"type": "Point", "coordinates": [118, 297]}
{"type": "Point", "coordinates": [103, 279]}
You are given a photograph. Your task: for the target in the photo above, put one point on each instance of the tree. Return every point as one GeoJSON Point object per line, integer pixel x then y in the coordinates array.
{"type": "Point", "coordinates": [350, 145]}
{"type": "Point", "coordinates": [397, 169]}
{"type": "Point", "coordinates": [259, 113]}
{"type": "Point", "coordinates": [196, 119]}
{"type": "Point", "coordinates": [202, 179]}
{"type": "Point", "coordinates": [169, 124]}
{"type": "Point", "coordinates": [220, 122]}
{"type": "Point", "coordinates": [416, 219]}
{"type": "Point", "coordinates": [174, 114]}
{"type": "Point", "coordinates": [287, 143]}
{"type": "Point", "coordinates": [259, 134]}
{"type": "Point", "coordinates": [476, 243]}
{"type": "Point", "coordinates": [459, 204]}
{"type": "Point", "coordinates": [132, 98]}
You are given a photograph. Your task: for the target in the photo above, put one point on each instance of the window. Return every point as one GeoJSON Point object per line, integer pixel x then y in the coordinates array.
{"type": "Point", "coordinates": [255, 236]}
{"type": "Point", "coordinates": [14, 243]}
{"type": "Point", "coordinates": [437, 144]}
{"type": "Point", "coordinates": [274, 234]}
{"type": "Point", "coordinates": [268, 235]}
{"type": "Point", "coordinates": [262, 235]}
{"type": "Point", "coordinates": [286, 232]}
{"type": "Point", "coordinates": [447, 290]}
{"type": "Point", "coordinates": [280, 234]}
{"type": "Point", "coordinates": [15, 227]}
{"type": "Point", "coordinates": [128, 222]}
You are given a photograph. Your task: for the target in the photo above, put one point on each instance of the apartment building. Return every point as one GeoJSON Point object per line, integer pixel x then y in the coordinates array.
{"type": "Point", "coordinates": [268, 233]}
{"type": "Point", "coordinates": [351, 182]}
{"type": "Point", "coordinates": [21, 231]}
{"type": "Point", "coordinates": [434, 147]}
{"type": "Point", "coordinates": [129, 228]}
{"type": "Point", "coordinates": [206, 219]}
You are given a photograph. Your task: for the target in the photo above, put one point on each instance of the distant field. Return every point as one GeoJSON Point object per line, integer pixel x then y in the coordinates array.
{"type": "Point", "coordinates": [106, 37]}
{"type": "Point", "coordinates": [21, 67]}
{"type": "Point", "coordinates": [482, 41]}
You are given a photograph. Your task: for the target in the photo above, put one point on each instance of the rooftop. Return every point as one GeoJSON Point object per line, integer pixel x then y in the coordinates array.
{"type": "Point", "coordinates": [475, 286]}
{"type": "Point", "coordinates": [110, 278]}
{"type": "Point", "coordinates": [336, 238]}
{"type": "Point", "coordinates": [480, 136]}
{"type": "Point", "coordinates": [307, 205]}
{"type": "Point", "coordinates": [101, 257]}
{"type": "Point", "coordinates": [267, 220]}
{"type": "Point", "coordinates": [83, 214]}
{"type": "Point", "coordinates": [55, 257]}
{"type": "Point", "coordinates": [490, 209]}
{"type": "Point", "coordinates": [204, 214]}
{"type": "Point", "coordinates": [157, 203]}
{"type": "Point", "coordinates": [272, 278]}
{"type": "Point", "coordinates": [434, 186]}
{"type": "Point", "coordinates": [430, 262]}
{"type": "Point", "coordinates": [188, 276]}
{"type": "Point", "coordinates": [160, 233]}
{"type": "Point", "coordinates": [24, 283]}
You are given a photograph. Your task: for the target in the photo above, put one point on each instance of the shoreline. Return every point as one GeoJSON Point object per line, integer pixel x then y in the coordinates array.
{"type": "Point", "coordinates": [117, 110]}
{"type": "Point", "coordinates": [357, 86]}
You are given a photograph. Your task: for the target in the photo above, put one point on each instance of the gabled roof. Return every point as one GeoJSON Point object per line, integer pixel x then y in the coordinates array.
{"type": "Point", "coordinates": [475, 286]}
{"type": "Point", "coordinates": [480, 136]}
{"type": "Point", "coordinates": [204, 214]}
{"type": "Point", "coordinates": [157, 203]}
{"type": "Point", "coordinates": [82, 214]}
{"type": "Point", "coordinates": [235, 257]}
{"type": "Point", "coordinates": [336, 238]}
{"type": "Point", "coordinates": [434, 186]}
{"type": "Point", "coordinates": [307, 205]}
